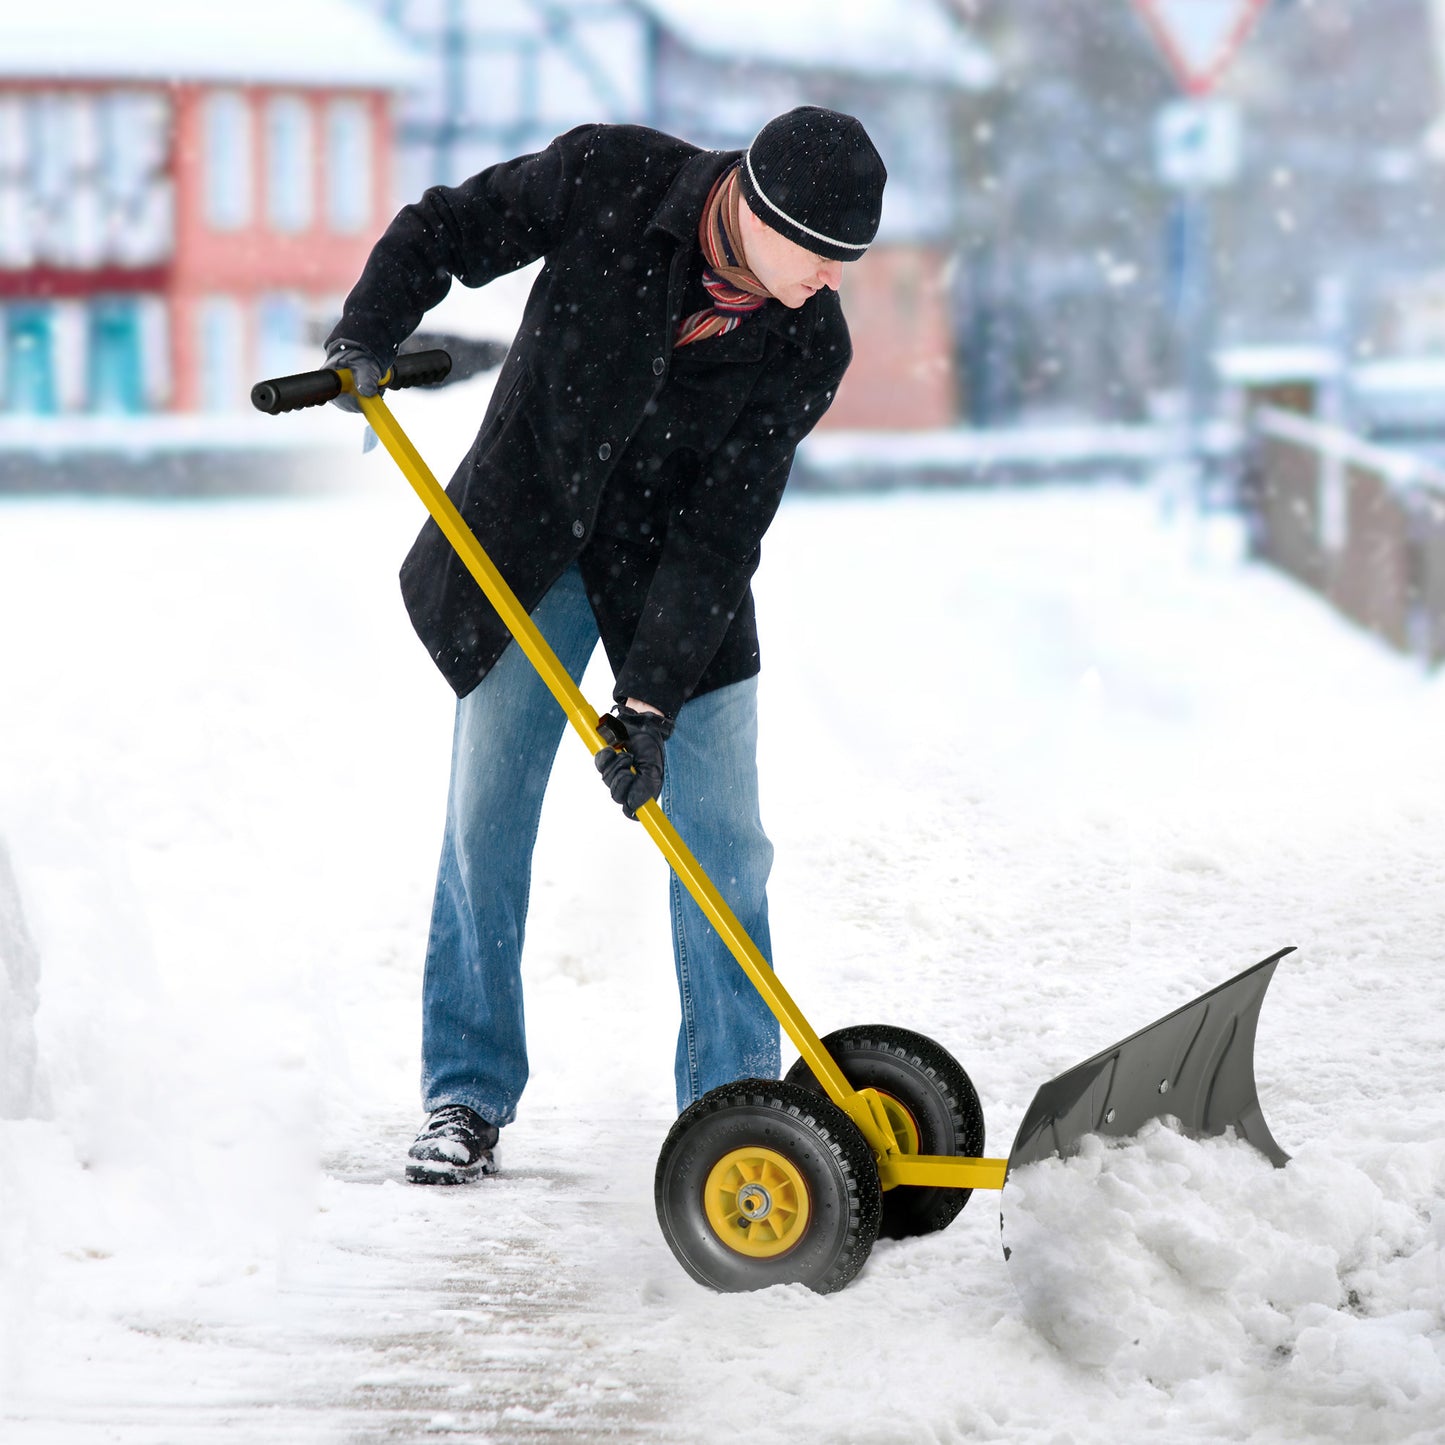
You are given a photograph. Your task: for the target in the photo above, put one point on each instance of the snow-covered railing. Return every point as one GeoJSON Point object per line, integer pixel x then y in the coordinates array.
{"type": "Point", "coordinates": [1400, 469]}
{"type": "Point", "coordinates": [1362, 524]}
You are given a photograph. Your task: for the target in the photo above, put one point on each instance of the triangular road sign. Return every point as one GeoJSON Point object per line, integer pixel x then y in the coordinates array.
{"type": "Point", "coordinates": [1200, 38]}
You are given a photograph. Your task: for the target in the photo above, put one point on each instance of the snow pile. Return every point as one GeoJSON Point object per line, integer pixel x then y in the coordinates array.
{"type": "Point", "coordinates": [1170, 1259]}
{"type": "Point", "coordinates": [22, 1091]}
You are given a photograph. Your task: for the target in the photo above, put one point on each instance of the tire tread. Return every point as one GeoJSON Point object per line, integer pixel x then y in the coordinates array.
{"type": "Point", "coordinates": [830, 1129]}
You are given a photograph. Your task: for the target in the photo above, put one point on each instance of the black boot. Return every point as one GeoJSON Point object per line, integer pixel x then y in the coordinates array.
{"type": "Point", "coordinates": [454, 1146]}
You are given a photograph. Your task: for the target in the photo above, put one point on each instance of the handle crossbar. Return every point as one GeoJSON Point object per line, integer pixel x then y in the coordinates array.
{"type": "Point", "coordinates": [316, 388]}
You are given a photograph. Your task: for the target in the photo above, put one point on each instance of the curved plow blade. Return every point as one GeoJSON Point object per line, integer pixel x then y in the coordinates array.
{"type": "Point", "coordinates": [1195, 1064]}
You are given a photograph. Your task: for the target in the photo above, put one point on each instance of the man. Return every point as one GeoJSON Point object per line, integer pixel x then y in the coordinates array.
{"type": "Point", "coordinates": [684, 334]}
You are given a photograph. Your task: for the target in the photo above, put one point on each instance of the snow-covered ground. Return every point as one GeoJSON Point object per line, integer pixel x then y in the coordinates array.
{"type": "Point", "coordinates": [1039, 769]}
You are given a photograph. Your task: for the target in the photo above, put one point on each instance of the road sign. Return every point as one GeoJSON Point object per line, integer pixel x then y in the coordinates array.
{"type": "Point", "coordinates": [1200, 38]}
{"type": "Point", "coordinates": [1196, 142]}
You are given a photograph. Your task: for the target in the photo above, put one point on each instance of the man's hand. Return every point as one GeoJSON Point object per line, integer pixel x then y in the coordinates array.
{"type": "Point", "coordinates": [365, 369]}
{"type": "Point", "coordinates": [632, 769]}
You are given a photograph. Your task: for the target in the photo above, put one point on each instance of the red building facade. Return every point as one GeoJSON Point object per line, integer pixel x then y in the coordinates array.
{"type": "Point", "coordinates": [165, 241]}
{"type": "Point", "coordinates": [279, 196]}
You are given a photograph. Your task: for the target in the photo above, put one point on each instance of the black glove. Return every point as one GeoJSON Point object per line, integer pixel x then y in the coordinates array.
{"type": "Point", "coordinates": [366, 371]}
{"type": "Point", "coordinates": [632, 769]}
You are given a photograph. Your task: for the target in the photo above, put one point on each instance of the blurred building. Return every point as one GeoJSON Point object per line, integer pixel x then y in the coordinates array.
{"type": "Point", "coordinates": [179, 185]}
{"type": "Point", "coordinates": [1328, 232]}
{"type": "Point", "coordinates": [506, 76]}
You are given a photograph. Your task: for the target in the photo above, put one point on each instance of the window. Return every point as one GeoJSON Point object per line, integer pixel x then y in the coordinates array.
{"type": "Point", "coordinates": [29, 360]}
{"type": "Point", "coordinates": [348, 165]}
{"type": "Point", "coordinates": [17, 233]}
{"type": "Point", "coordinates": [115, 381]}
{"type": "Point", "coordinates": [84, 177]}
{"type": "Point", "coordinates": [155, 350]}
{"type": "Point", "coordinates": [280, 335]}
{"type": "Point", "coordinates": [53, 142]}
{"type": "Point", "coordinates": [135, 137]}
{"type": "Point", "coordinates": [289, 156]}
{"type": "Point", "coordinates": [223, 359]}
{"type": "Point", "coordinates": [17, 246]}
{"type": "Point", "coordinates": [227, 128]}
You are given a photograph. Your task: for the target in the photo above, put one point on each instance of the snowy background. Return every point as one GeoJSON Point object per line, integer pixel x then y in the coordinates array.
{"type": "Point", "coordinates": [1040, 766]}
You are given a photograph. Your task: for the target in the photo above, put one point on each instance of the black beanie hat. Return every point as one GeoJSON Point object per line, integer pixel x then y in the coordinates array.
{"type": "Point", "coordinates": [815, 177]}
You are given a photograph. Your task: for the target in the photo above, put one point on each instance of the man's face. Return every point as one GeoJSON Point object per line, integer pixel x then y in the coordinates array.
{"type": "Point", "coordinates": [791, 273]}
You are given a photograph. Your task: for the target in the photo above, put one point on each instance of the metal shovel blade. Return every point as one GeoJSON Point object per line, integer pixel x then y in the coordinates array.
{"type": "Point", "coordinates": [1196, 1064]}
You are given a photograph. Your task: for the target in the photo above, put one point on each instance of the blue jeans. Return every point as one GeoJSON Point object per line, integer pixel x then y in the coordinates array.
{"type": "Point", "coordinates": [474, 1049]}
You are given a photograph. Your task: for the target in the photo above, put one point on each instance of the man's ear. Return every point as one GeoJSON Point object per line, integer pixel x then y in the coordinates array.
{"type": "Point", "coordinates": [749, 224]}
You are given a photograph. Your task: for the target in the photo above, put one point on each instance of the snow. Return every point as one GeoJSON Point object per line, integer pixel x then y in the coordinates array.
{"type": "Point", "coordinates": [326, 42]}
{"type": "Point", "coordinates": [160, 432]}
{"type": "Point", "coordinates": [1039, 769]}
{"type": "Point", "coordinates": [913, 38]}
{"type": "Point", "coordinates": [1401, 394]}
{"type": "Point", "coordinates": [970, 447]}
{"type": "Point", "coordinates": [1400, 374]}
{"type": "Point", "coordinates": [1261, 365]}
{"type": "Point", "coordinates": [841, 458]}
{"type": "Point", "coordinates": [1172, 1259]}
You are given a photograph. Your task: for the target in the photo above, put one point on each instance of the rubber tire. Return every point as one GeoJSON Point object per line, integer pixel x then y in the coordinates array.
{"type": "Point", "coordinates": [817, 1138]}
{"type": "Point", "coordinates": [933, 1086]}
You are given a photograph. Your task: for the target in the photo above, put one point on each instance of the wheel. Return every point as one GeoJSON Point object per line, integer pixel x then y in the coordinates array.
{"type": "Point", "coordinates": [931, 1104]}
{"type": "Point", "coordinates": [762, 1183]}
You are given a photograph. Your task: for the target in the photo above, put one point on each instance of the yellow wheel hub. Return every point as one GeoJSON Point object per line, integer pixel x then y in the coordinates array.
{"type": "Point", "coordinates": [902, 1122]}
{"type": "Point", "coordinates": [757, 1202]}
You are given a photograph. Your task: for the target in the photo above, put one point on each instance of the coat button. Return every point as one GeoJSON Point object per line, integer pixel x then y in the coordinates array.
{"type": "Point", "coordinates": [604, 451]}
{"type": "Point", "coordinates": [578, 529]}
{"type": "Point", "coordinates": [658, 366]}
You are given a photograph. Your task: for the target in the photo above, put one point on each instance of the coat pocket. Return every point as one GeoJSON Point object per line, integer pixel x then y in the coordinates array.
{"type": "Point", "coordinates": [507, 400]}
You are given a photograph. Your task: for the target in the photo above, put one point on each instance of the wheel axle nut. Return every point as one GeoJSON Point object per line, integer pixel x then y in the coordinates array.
{"type": "Point", "coordinates": [755, 1202]}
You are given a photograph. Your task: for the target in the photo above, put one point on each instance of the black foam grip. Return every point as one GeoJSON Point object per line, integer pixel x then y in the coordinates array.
{"type": "Point", "coordinates": [419, 368]}
{"type": "Point", "coordinates": [291, 393]}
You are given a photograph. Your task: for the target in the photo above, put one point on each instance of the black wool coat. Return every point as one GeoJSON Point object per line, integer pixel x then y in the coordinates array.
{"type": "Point", "coordinates": [656, 471]}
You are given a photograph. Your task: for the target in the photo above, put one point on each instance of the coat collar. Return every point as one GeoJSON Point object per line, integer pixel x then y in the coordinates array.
{"type": "Point", "coordinates": [681, 207]}
{"type": "Point", "coordinates": [678, 216]}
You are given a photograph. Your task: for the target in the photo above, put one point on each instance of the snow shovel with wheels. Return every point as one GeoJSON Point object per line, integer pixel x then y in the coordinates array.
{"type": "Point", "coordinates": [876, 1129]}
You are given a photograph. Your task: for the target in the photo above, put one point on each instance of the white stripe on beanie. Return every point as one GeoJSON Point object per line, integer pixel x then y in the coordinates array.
{"type": "Point", "coordinates": [793, 221]}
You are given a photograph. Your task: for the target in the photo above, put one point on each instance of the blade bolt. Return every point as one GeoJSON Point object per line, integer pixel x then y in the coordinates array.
{"type": "Point", "coordinates": [1163, 1086]}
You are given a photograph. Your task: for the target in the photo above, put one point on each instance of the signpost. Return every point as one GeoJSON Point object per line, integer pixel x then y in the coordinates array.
{"type": "Point", "coordinates": [1196, 146]}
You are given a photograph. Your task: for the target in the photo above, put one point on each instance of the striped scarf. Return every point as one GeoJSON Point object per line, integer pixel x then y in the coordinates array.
{"type": "Point", "coordinates": [736, 293]}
